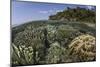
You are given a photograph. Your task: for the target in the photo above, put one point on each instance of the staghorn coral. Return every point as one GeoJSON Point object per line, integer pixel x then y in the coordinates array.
{"type": "Point", "coordinates": [22, 55]}
{"type": "Point", "coordinates": [50, 42]}
{"type": "Point", "coordinates": [83, 48]}
{"type": "Point", "coordinates": [56, 53]}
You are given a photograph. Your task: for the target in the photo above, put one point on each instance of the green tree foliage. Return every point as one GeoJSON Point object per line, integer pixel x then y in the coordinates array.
{"type": "Point", "coordinates": [75, 14]}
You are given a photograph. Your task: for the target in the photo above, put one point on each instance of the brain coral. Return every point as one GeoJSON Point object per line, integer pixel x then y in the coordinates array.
{"type": "Point", "coordinates": [83, 47]}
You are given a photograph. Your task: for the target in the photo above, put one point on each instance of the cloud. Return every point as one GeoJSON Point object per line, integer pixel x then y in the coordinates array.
{"type": "Point", "coordinates": [58, 10]}
{"type": "Point", "coordinates": [43, 12]}
{"type": "Point", "coordinates": [49, 11]}
{"type": "Point", "coordinates": [46, 11]}
{"type": "Point", "coordinates": [89, 7]}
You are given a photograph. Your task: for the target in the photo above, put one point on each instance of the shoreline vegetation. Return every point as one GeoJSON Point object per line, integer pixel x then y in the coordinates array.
{"type": "Point", "coordinates": [66, 37]}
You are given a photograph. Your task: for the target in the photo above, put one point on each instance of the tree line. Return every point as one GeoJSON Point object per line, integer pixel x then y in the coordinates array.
{"type": "Point", "coordinates": [75, 14]}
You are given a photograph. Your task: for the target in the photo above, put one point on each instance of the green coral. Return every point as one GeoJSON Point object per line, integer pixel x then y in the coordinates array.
{"type": "Point", "coordinates": [56, 53]}
{"type": "Point", "coordinates": [22, 55]}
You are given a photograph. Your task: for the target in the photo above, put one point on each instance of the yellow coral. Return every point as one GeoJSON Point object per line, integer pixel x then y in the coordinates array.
{"type": "Point", "coordinates": [84, 47]}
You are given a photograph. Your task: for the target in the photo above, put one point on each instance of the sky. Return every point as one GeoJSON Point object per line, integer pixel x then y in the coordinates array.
{"type": "Point", "coordinates": [23, 12]}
